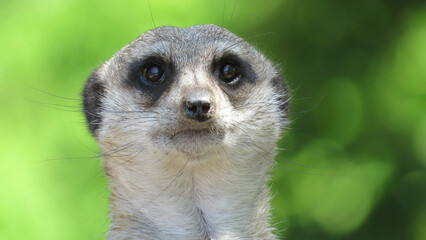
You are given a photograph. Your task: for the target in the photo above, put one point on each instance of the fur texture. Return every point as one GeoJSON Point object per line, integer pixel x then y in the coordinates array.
{"type": "Point", "coordinates": [175, 178]}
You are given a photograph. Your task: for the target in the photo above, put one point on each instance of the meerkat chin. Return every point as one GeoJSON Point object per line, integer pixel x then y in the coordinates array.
{"type": "Point", "coordinates": [187, 120]}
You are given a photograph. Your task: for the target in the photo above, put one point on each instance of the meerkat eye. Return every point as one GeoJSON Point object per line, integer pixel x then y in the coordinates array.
{"type": "Point", "coordinates": [229, 72]}
{"type": "Point", "coordinates": [152, 73]}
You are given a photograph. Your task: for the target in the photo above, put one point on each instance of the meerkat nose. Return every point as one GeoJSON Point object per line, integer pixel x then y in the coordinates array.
{"type": "Point", "coordinates": [198, 110]}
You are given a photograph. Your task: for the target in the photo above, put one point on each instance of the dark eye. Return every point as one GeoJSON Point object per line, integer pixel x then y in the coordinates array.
{"type": "Point", "coordinates": [229, 72]}
{"type": "Point", "coordinates": [152, 73]}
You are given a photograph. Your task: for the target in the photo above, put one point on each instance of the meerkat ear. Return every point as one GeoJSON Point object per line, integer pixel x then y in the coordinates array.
{"type": "Point", "coordinates": [92, 102]}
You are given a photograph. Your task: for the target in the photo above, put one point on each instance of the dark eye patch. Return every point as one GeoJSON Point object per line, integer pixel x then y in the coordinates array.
{"type": "Point", "coordinates": [233, 72]}
{"type": "Point", "coordinates": [151, 77]}
{"type": "Point", "coordinates": [242, 78]}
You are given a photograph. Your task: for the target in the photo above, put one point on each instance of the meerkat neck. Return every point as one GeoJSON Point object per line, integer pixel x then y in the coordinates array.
{"type": "Point", "coordinates": [183, 198]}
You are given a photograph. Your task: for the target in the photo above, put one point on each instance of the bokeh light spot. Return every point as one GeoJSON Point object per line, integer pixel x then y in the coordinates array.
{"type": "Point", "coordinates": [339, 115]}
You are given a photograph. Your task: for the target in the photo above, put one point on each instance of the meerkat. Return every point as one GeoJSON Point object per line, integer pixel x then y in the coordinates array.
{"type": "Point", "coordinates": [187, 120]}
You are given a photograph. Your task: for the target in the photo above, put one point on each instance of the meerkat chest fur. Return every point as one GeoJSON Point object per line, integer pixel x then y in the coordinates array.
{"type": "Point", "coordinates": [187, 120]}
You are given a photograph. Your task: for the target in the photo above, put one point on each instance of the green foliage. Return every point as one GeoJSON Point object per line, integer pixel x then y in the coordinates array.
{"type": "Point", "coordinates": [353, 164]}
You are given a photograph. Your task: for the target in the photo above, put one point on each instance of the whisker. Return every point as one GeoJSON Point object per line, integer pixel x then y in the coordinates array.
{"type": "Point", "coordinates": [252, 142]}
{"type": "Point", "coordinates": [150, 12]}
{"type": "Point", "coordinates": [284, 167]}
{"type": "Point", "coordinates": [232, 13]}
{"type": "Point", "coordinates": [97, 156]}
{"type": "Point", "coordinates": [54, 104]}
{"type": "Point", "coordinates": [53, 95]}
{"type": "Point", "coordinates": [68, 158]}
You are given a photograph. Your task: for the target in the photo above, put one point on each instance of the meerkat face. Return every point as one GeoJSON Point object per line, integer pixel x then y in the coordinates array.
{"type": "Point", "coordinates": [191, 90]}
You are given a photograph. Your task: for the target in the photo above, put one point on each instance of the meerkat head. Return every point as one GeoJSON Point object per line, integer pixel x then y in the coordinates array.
{"type": "Point", "coordinates": [189, 90]}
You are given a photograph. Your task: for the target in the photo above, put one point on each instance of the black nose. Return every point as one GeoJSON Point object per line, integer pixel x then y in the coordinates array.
{"type": "Point", "coordinates": [198, 110]}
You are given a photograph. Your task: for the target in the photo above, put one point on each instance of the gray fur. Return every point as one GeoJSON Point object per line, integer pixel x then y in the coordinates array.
{"type": "Point", "coordinates": [174, 178]}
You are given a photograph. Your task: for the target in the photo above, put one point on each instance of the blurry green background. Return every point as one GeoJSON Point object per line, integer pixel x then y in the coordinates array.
{"type": "Point", "coordinates": [352, 165]}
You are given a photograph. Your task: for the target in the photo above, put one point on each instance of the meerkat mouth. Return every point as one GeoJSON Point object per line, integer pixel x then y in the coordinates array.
{"type": "Point", "coordinates": [196, 140]}
{"type": "Point", "coordinates": [192, 133]}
